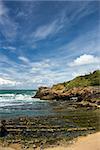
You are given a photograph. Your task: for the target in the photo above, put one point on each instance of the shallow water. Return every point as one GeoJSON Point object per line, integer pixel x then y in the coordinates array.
{"type": "Point", "coordinates": [15, 103]}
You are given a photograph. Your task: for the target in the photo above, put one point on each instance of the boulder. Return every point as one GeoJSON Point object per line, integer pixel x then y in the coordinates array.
{"type": "Point", "coordinates": [45, 93]}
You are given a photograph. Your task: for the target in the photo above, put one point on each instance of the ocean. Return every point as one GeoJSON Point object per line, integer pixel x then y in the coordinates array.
{"type": "Point", "coordinates": [19, 103]}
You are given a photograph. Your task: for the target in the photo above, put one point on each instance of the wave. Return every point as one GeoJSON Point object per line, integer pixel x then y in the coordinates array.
{"type": "Point", "coordinates": [14, 99]}
{"type": "Point", "coordinates": [23, 97]}
{"type": "Point", "coordinates": [17, 99]}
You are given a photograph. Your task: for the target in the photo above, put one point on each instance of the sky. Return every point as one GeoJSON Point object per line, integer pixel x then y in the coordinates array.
{"type": "Point", "coordinates": [47, 42]}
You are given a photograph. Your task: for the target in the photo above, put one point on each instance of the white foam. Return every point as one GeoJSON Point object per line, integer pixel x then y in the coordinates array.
{"type": "Point", "coordinates": [23, 97]}
{"type": "Point", "coordinates": [11, 99]}
{"type": "Point", "coordinates": [16, 99]}
{"type": "Point", "coordinates": [38, 100]}
{"type": "Point", "coordinates": [9, 104]}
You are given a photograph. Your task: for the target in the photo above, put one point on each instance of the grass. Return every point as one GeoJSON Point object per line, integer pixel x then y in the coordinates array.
{"type": "Point", "coordinates": [92, 79]}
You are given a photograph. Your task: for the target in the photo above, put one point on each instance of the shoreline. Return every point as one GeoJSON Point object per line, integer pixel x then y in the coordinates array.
{"type": "Point", "coordinates": [91, 141]}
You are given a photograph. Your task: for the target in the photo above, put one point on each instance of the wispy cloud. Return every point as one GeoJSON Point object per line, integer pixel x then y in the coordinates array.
{"type": "Point", "coordinates": [3, 10]}
{"type": "Point", "coordinates": [10, 48]}
{"type": "Point", "coordinates": [66, 20]}
{"type": "Point", "coordinates": [7, 25]}
{"type": "Point", "coordinates": [85, 43]}
{"type": "Point", "coordinates": [86, 8]}
{"type": "Point", "coordinates": [47, 30]}
{"type": "Point", "coordinates": [24, 59]}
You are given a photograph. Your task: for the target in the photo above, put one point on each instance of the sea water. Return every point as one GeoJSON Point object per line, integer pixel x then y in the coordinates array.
{"type": "Point", "coordinates": [19, 103]}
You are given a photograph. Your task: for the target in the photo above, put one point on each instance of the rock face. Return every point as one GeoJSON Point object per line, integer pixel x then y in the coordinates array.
{"type": "Point", "coordinates": [78, 93]}
{"type": "Point", "coordinates": [46, 93]}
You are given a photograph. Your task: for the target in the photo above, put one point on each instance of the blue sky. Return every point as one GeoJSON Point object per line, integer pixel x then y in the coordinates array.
{"type": "Point", "coordinates": [46, 42]}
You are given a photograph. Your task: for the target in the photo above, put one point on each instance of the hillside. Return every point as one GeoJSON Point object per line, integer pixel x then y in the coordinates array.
{"type": "Point", "coordinates": [92, 79]}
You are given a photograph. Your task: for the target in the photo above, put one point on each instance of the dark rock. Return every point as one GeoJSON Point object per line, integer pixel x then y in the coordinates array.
{"type": "Point", "coordinates": [3, 130]}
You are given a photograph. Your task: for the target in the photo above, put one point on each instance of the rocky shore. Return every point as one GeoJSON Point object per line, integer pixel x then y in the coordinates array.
{"type": "Point", "coordinates": [53, 130]}
{"type": "Point", "coordinates": [77, 93]}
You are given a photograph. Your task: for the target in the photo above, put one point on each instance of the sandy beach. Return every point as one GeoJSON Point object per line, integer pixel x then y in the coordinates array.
{"type": "Point", "coordinates": [90, 142]}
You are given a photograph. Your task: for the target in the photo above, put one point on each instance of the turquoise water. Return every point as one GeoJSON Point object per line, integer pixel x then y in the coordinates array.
{"type": "Point", "coordinates": [15, 103]}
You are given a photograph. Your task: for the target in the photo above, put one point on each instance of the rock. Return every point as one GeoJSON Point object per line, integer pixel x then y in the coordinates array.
{"type": "Point", "coordinates": [79, 93]}
{"type": "Point", "coordinates": [98, 102]}
{"type": "Point", "coordinates": [45, 93]}
{"type": "Point", "coordinates": [3, 131]}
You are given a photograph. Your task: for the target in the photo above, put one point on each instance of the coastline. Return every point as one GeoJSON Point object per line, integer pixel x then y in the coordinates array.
{"type": "Point", "coordinates": [91, 141]}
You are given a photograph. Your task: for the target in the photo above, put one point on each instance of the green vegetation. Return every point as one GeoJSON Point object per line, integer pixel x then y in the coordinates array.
{"type": "Point", "coordinates": [92, 79]}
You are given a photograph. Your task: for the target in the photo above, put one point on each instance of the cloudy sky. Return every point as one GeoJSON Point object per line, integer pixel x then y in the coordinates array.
{"type": "Point", "coordinates": [46, 42]}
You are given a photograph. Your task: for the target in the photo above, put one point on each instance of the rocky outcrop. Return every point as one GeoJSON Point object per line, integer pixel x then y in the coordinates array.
{"type": "Point", "coordinates": [45, 93]}
{"type": "Point", "coordinates": [79, 93]}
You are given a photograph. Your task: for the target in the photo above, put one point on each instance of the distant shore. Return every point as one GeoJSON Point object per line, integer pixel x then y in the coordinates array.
{"type": "Point", "coordinates": [90, 142]}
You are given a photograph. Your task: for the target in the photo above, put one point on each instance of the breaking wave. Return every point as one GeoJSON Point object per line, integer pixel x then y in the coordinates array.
{"type": "Point", "coordinates": [20, 103]}
{"type": "Point", "coordinates": [15, 99]}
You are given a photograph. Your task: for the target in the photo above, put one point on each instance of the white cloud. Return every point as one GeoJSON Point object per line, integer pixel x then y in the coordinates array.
{"type": "Point", "coordinates": [7, 82]}
{"type": "Point", "coordinates": [84, 60]}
